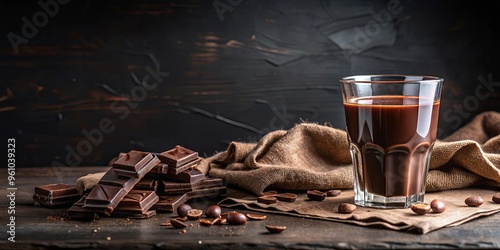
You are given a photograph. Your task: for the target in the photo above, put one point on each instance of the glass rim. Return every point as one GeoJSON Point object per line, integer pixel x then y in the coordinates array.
{"type": "Point", "coordinates": [411, 78]}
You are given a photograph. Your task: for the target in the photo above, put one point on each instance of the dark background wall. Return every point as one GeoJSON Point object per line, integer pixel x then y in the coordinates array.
{"type": "Point", "coordinates": [148, 75]}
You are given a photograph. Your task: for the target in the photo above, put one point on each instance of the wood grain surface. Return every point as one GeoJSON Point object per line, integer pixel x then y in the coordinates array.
{"type": "Point", "coordinates": [43, 228]}
{"type": "Point", "coordinates": [204, 73]}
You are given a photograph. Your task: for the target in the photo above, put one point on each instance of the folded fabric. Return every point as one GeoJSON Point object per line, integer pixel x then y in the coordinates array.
{"type": "Point", "coordinates": [312, 156]}
{"type": "Point", "coordinates": [456, 212]}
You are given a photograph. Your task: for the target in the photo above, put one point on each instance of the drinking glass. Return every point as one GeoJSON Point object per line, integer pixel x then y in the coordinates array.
{"type": "Point", "coordinates": [391, 126]}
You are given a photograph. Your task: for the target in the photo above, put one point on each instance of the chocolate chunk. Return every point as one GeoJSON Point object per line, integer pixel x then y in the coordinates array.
{"type": "Point", "coordinates": [186, 176]}
{"type": "Point", "coordinates": [56, 195]}
{"type": "Point", "coordinates": [170, 203]}
{"type": "Point", "coordinates": [170, 187]}
{"type": "Point", "coordinates": [145, 215]}
{"type": "Point", "coordinates": [316, 195]}
{"type": "Point", "coordinates": [136, 202]}
{"type": "Point", "coordinates": [333, 193]}
{"type": "Point", "coordinates": [136, 205]}
{"type": "Point", "coordinates": [147, 184]}
{"type": "Point", "coordinates": [52, 202]}
{"type": "Point", "coordinates": [135, 164]}
{"type": "Point", "coordinates": [179, 169]}
{"type": "Point", "coordinates": [160, 168]}
{"type": "Point", "coordinates": [108, 193]}
{"type": "Point", "coordinates": [207, 192]}
{"type": "Point", "coordinates": [163, 168]}
{"type": "Point", "coordinates": [266, 199]}
{"type": "Point", "coordinates": [177, 156]}
{"type": "Point", "coordinates": [288, 197]}
{"type": "Point", "coordinates": [56, 190]}
{"type": "Point", "coordinates": [111, 179]}
{"type": "Point", "coordinates": [77, 212]}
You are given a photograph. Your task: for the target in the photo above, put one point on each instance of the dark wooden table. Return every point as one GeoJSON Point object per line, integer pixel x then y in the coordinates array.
{"type": "Point", "coordinates": [42, 228]}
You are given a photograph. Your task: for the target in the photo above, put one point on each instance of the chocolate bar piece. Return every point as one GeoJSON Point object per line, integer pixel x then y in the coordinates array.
{"type": "Point", "coordinates": [177, 156]}
{"type": "Point", "coordinates": [186, 176]}
{"type": "Point", "coordinates": [136, 202]}
{"type": "Point", "coordinates": [135, 164]}
{"type": "Point", "coordinates": [180, 169]}
{"type": "Point", "coordinates": [163, 168]}
{"type": "Point", "coordinates": [111, 179]}
{"type": "Point", "coordinates": [170, 203]}
{"type": "Point", "coordinates": [109, 191]}
{"type": "Point", "coordinates": [53, 202]}
{"type": "Point", "coordinates": [56, 190]}
{"type": "Point", "coordinates": [170, 187]}
{"type": "Point", "coordinates": [160, 168]}
{"type": "Point", "coordinates": [147, 184]}
{"type": "Point", "coordinates": [77, 212]}
{"type": "Point", "coordinates": [145, 215]}
{"type": "Point", "coordinates": [56, 194]}
{"type": "Point", "coordinates": [207, 192]}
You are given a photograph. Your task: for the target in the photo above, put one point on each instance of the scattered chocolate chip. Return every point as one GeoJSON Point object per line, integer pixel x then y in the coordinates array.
{"type": "Point", "coordinates": [346, 208]}
{"type": "Point", "coordinates": [420, 208]}
{"type": "Point", "coordinates": [220, 221]}
{"type": "Point", "coordinates": [182, 209]}
{"type": "Point", "coordinates": [194, 214]}
{"type": "Point", "coordinates": [275, 229]}
{"type": "Point", "coordinates": [206, 222]}
{"type": "Point", "coordinates": [177, 224]}
{"type": "Point", "coordinates": [333, 193]}
{"type": "Point", "coordinates": [270, 193]}
{"type": "Point", "coordinates": [236, 218]}
{"type": "Point", "coordinates": [437, 206]}
{"type": "Point", "coordinates": [213, 211]}
{"type": "Point", "coordinates": [256, 216]}
{"type": "Point", "coordinates": [474, 201]}
{"type": "Point", "coordinates": [496, 198]}
{"type": "Point", "coordinates": [288, 197]}
{"type": "Point", "coordinates": [267, 199]}
{"type": "Point", "coordinates": [316, 195]}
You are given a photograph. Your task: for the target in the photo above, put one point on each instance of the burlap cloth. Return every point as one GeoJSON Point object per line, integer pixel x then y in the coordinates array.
{"type": "Point", "coordinates": [312, 156]}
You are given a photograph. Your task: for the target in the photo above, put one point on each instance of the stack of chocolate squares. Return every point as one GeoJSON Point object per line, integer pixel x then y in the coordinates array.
{"type": "Point", "coordinates": [58, 194]}
{"type": "Point", "coordinates": [141, 183]}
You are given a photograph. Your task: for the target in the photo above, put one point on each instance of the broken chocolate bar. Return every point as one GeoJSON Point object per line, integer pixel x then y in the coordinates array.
{"type": "Point", "coordinates": [170, 203]}
{"type": "Point", "coordinates": [177, 170]}
{"type": "Point", "coordinates": [186, 176]}
{"type": "Point", "coordinates": [163, 168]}
{"type": "Point", "coordinates": [110, 190]}
{"type": "Point", "coordinates": [147, 184]}
{"type": "Point", "coordinates": [77, 212]}
{"type": "Point", "coordinates": [135, 164]}
{"type": "Point", "coordinates": [56, 195]}
{"type": "Point", "coordinates": [177, 156]}
{"type": "Point", "coordinates": [137, 204]}
{"type": "Point", "coordinates": [170, 187]}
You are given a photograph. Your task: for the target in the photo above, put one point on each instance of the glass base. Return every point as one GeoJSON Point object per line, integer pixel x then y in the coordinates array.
{"type": "Point", "coordinates": [367, 199]}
